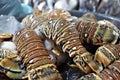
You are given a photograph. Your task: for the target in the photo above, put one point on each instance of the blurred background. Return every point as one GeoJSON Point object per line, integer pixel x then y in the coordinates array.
{"type": "Point", "coordinates": [13, 11]}
{"type": "Point", "coordinates": [21, 8]}
{"type": "Point", "coordinates": [107, 7]}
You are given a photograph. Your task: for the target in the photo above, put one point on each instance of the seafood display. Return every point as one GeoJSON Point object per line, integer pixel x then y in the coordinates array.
{"type": "Point", "coordinates": [49, 38]}
{"type": "Point", "coordinates": [64, 34]}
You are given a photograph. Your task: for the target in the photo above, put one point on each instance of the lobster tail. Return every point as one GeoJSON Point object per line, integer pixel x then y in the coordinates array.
{"type": "Point", "coordinates": [34, 56]}
{"type": "Point", "coordinates": [97, 33]}
{"type": "Point", "coordinates": [86, 30]}
{"type": "Point", "coordinates": [106, 54]}
{"type": "Point", "coordinates": [112, 72]}
{"type": "Point", "coordinates": [65, 35]}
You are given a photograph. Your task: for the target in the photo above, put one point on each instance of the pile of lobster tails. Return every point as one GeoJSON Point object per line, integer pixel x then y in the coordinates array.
{"type": "Point", "coordinates": [56, 38]}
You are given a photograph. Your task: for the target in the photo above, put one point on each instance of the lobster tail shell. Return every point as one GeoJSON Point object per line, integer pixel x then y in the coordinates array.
{"type": "Point", "coordinates": [34, 56]}
{"type": "Point", "coordinates": [106, 54]}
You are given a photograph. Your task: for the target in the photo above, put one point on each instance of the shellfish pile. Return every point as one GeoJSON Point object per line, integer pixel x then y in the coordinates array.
{"type": "Point", "coordinates": [49, 38]}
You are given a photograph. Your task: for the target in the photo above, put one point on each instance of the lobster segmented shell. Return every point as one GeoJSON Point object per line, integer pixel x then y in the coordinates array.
{"type": "Point", "coordinates": [7, 53]}
{"type": "Point", "coordinates": [65, 35]}
{"type": "Point", "coordinates": [97, 33]}
{"type": "Point", "coordinates": [108, 53]}
{"type": "Point", "coordinates": [112, 72]}
{"type": "Point", "coordinates": [35, 57]}
{"type": "Point", "coordinates": [5, 37]}
{"type": "Point", "coordinates": [11, 68]}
